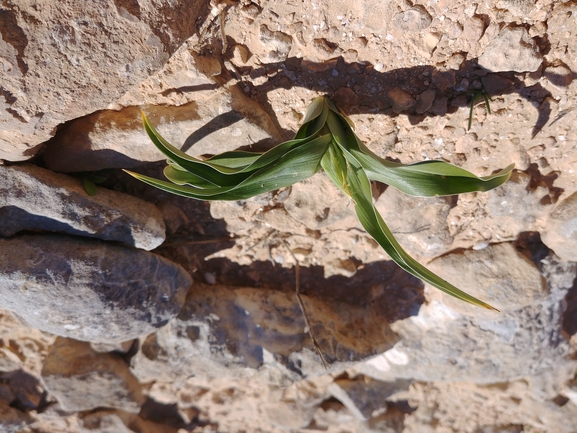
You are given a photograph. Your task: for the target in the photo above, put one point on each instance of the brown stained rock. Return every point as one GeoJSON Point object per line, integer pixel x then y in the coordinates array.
{"type": "Point", "coordinates": [82, 379]}
{"type": "Point", "coordinates": [511, 50]}
{"type": "Point", "coordinates": [87, 289]}
{"type": "Point", "coordinates": [497, 274]}
{"type": "Point", "coordinates": [223, 331]}
{"type": "Point", "coordinates": [401, 100]}
{"type": "Point", "coordinates": [425, 101]}
{"type": "Point", "coordinates": [64, 62]}
{"type": "Point", "coordinates": [560, 232]}
{"type": "Point", "coordinates": [33, 198]}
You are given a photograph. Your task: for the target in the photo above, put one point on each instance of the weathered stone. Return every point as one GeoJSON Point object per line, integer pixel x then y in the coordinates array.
{"type": "Point", "coordinates": [419, 223]}
{"type": "Point", "coordinates": [12, 420]}
{"type": "Point", "coordinates": [278, 44]}
{"type": "Point", "coordinates": [82, 379]}
{"type": "Point", "coordinates": [497, 274]}
{"type": "Point", "coordinates": [213, 123]}
{"type": "Point", "coordinates": [511, 50]}
{"type": "Point", "coordinates": [9, 361]}
{"type": "Point", "coordinates": [441, 344]}
{"type": "Point", "coordinates": [87, 289]}
{"type": "Point", "coordinates": [493, 84]}
{"type": "Point", "coordinates": [63, 62]}
{"type": "Point", "coordinates": [560, 232]}
{"type": "Point", "coordinates": [559, 75]}
{"type": "Point", "coordinates": [33, 198]}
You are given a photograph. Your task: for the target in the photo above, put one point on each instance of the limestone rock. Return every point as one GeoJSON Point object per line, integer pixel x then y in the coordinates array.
{"type": "Point", "coordinates": [82, 379]}
{"type": "Point", "coordinates": [63, 62]}
{"type": "Point", "coordinates": [441, 344]}
{"type": "Point", "coordinates": [87, 289]}
{"type": "Point", "coordinates": [419, 223]}
{"type": "Point", "coordinates": [497, 274]}
{"type": "Point", "coordinates": [33, 198]}
{"type": "Point", "coordinates": [213, 123]}
{"type": "Point", "coordinates": [511, 50]}
{"type": "Point", "coordinates": [412, 20]}
{"type": "Point", "coordinates": [560, 232]}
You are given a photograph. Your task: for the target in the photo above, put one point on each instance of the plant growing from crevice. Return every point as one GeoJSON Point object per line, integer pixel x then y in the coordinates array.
{"type": "Point", "coordinates": [325, 140]}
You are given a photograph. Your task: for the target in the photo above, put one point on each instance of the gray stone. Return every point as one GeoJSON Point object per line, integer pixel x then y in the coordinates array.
{"type": "Point", "coordinates": [511, 50]}
{"type": "Point", "coordinates": [60, 63]}
{"type": "Point", "coordinates": [87, 289]}
{"type": "Point", "coordinates": [425, 101]}
{"type": "Point", "coordinates": [418, 223]}
{"type": "Point", "coordinates": [560, 232]}
{"type": "Point", "coordinates": [33, 198]}
{"type": "Point", "coordinates": [82, 379]}
{"type": "Point", "coordinates": [412, 20]}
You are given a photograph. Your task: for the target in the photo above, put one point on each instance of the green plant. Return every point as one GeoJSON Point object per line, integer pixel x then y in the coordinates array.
{"type": "Point", "coordinates": [325, 140]}
{"type": "Point", "coordinates": [475, 99]}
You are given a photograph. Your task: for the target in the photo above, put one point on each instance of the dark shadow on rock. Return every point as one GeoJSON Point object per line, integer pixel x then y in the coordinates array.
{"type": "Point", "coordinates": [569, 321]}
{"type": "Point", "coordinates": [358, 88]}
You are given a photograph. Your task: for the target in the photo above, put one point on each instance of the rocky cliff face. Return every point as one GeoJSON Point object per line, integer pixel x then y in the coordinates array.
{"type": "Point", "coordinates": [133, 310]}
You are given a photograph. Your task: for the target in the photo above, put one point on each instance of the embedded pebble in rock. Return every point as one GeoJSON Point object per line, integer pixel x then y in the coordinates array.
{"type": "Point", "coordinates": [33, 198]}
{"type": "Point", "coordinates": [278, 44]}
{"type": "Point", "coordinates": [511, 50]}
{"type": "Point", "coordinates": [412, 20]}
{"type": "Point", "coordinates": [87, 289]}
{"type": "Point", "coordinates": [497, 274]}
{"type": "Point", "coordinates": [418, 223]}
{"type": "Point", "coordinates": [559, 75]}
{"type": "Point", "coordinates": [560, 232]}
{"type": "Point", "coordinates": [82, 379]}
{"type": "Point", "coordinates": [425, 101]}
{"type": "Point", "coordinates": [401, 100]}
{"type": "Point", "coordinates": [214, 122]}
{"type": "Point", "coordinates": [60, 63]}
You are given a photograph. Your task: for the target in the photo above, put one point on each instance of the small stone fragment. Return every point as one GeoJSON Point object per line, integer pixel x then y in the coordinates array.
{"type": "Point", "coordinates": [87, 289]}
{"type": "Point", "coordinates": [401, 100]}
{"type": "Point", "coordinates": [33, 198]}
{"type": "Point", "coordinates": [82, 379]}
{"type": "Point", "coordinates": [425, 101]}
{"type": "Point", "coordinates": [559, 75]}
{"type": "Point", "coordinates": [511, 50]}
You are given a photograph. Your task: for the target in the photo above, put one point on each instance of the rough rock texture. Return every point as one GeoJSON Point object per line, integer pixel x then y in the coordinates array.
{"type": "Point", "coordinates": [402, 356]}
{"type": "Point", "coordinates": [82, 379]}
{"type": "Point", "coordinates": [89, 290]}
{"type": "Point", "coordinates": [560, 232]}
{"type": "Point", "coordinates": [63, 62]}
{"type": "Point", "coordinates": [33, 198]}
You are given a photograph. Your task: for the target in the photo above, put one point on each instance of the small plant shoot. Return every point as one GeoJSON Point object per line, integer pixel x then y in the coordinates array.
{"type": "Point", "coordinates": [325, 140]}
